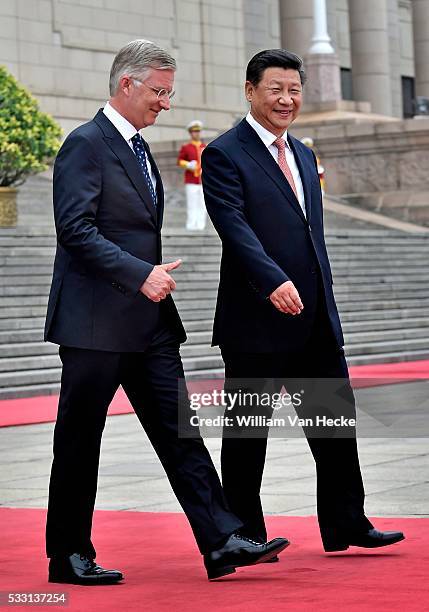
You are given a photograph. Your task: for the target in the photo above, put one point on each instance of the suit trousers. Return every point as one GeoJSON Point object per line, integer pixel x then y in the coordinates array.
{"type": "Point", "coordinates": [340, 492]}
{"type": "Point", "coordinates": [150, 379]}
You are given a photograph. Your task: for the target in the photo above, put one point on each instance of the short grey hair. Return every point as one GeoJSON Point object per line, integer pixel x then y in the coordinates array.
{"type": "Point", "coordinates": [135, 59]}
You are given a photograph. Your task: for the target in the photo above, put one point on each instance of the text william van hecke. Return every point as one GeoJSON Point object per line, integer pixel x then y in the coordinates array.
{"type": "Point", "coordinates": [265, 421]}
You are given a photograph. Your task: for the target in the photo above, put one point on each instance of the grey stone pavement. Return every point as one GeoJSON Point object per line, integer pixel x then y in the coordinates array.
{"type": "Point", "coordinates": [395, 472]}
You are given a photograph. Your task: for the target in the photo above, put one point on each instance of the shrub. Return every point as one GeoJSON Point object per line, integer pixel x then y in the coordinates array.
{"type": "Point", "coordinates": [29, 138]}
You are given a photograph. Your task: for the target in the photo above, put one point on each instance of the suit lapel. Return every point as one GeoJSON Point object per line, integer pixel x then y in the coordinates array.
{"type": "Point", "coordinates": [254, 147]}
{"type": "Point", "coordinates": [128, 160]}
{"type": "Point", "coordinates": [159, 185]}
{"type": "Point", "coordinates": [304, 174]}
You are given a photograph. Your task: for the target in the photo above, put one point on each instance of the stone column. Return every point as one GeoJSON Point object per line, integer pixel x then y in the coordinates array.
{"type": "Point", "coordinates": [421, 45]}
{"type": "Point", "coordinates": [321, 41]}
{"type": "Point", "coordinates": [395, 58]}
{"type": "Point", "coordinates": [296, 21]}
{"type": "Point", "coordinates": [322, 63]}
{"type": "Point", "coordinates": [369, 37]}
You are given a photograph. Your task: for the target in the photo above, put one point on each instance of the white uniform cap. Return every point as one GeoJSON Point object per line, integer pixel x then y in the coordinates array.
{"type": "Point", "coordinates": [307, 141]}
{"type": "Point", "coordinates": [195, 124]}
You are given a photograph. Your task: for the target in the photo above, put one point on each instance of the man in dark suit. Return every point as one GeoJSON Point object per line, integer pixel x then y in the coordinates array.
{"type": "Point", "coordinates": [276, 316]}
{"type": "Point", "coordinates": [111, 312]}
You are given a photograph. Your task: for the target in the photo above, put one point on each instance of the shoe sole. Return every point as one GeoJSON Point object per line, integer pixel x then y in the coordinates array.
{"type": "Point", "coordinates": [273, 560]}
{"type": "Point", "coordinates": [60, 580]}
{"type": "Point", "coordinates": [226, 570]}
{"type": "Point", "coordinates": [346, 546]}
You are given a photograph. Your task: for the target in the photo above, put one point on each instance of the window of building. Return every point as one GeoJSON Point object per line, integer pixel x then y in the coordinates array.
{"type": "Point", "coordinates": [408, 95]}
{"type": "Point", "coordinates": [346, 84]}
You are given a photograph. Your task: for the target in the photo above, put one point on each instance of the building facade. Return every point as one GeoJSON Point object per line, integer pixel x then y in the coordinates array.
{"type": "Point", "coordinates": [62, 50]}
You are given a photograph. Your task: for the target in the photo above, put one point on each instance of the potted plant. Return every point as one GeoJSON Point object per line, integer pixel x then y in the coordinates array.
{"type": "Point", "coordinates": [29, 139]}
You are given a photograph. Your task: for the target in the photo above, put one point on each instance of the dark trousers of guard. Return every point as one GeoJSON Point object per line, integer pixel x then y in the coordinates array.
{"type": "Point", "coordinates": [340, 491]}
{"type": "Point", "coordinates": [150, 380]}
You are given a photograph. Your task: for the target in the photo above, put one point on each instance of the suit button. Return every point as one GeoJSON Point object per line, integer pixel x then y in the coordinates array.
{"type": "Point", "coordinates": [313, 270]}
{"type": "Point", "coordinates": [114, 285]}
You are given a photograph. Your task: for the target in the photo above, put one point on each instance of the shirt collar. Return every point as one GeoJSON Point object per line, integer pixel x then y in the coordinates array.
{"type": "Point", "coordinates": [265, 135]}
{"type": "Point", "coordinates": [123, 126]}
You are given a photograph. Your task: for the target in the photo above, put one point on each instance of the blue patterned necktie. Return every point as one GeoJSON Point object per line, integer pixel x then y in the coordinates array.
{"type": "Point", "coordinates": [140, 152]}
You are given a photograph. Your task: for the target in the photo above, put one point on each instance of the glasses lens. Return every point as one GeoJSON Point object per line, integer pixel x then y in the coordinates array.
{"type": "Point", "coordinates": [162, 93]}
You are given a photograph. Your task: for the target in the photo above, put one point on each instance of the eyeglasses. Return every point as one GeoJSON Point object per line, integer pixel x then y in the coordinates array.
{"type": "Point", "coordinates": [160, 93]}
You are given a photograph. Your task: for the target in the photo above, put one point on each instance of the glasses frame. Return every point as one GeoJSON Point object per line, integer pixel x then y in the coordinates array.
{"type": "Point", "coordinates": [160, 93]}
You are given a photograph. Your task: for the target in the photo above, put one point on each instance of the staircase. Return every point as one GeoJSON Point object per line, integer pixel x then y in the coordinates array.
{"type": "Point", "coordinates": [381, 285]}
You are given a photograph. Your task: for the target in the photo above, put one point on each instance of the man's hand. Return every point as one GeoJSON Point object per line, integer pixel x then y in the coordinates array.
{"type": "Point", "coordinates": [192, 165]}
{"type": "Point", "coordinates": [159, 283]}
{"type": "Point", "coordinates": [286, 299]}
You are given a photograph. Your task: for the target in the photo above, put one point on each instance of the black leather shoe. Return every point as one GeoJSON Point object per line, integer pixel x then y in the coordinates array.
{"type": "Point", "coordinates": [371, 539]}
{"type": "Point", "coordinates": [240, 551]}
{"type": "Point", "coordinates": [274, 559]}
{"type": "Point", "coordinates": [78, 569]}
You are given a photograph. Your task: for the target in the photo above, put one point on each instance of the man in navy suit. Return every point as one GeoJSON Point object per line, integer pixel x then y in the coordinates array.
{"type": "Point", "coordinates": [111, 312]}
{"type": "Point", "coordinates": [276, 316]}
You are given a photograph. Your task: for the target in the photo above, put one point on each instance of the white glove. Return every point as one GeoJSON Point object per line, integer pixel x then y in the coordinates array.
{"type": "Point", "coordinates": [191, 165]}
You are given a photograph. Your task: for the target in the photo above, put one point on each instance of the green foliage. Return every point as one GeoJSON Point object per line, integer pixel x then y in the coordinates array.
{"type": "Point", "coordinates": [29, 138]}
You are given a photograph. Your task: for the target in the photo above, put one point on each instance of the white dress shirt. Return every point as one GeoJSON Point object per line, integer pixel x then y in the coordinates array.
{"type": "Point", "coordinates": [268, 139]}
{"type": "Point", "coordinates": [127, 131]}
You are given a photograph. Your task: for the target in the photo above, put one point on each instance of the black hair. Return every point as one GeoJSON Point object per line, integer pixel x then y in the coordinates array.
{"type": "Point", "coordinates": [273, 58]}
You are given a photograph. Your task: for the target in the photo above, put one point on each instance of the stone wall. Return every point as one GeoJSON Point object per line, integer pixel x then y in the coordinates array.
{"type": "Point", "coordinates": [382, 166]}
{"type": "Point", "coordinates": [63, 49]}
{"type": "Point", "coordinates": [378, 166]}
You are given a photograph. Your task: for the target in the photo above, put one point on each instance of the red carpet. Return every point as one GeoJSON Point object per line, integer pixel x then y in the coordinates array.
{"type": "Point", "coordinates": [30, 410]}
{"type": "Point", "coordinates": [163, 569]}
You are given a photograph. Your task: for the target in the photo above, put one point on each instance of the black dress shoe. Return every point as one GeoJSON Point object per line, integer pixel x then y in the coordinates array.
{"type": "Point", "coordinates": [240, 551]}
{"type": "Point", "coordinates": [79, 569]}
{"type": "Point", "coordinates": [274, 559]}
{"type": "Point", "coordinates": [371, 539]}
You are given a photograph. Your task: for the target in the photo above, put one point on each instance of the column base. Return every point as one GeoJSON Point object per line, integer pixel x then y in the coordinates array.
{"type": "Point", "coordinates": [323, 72]}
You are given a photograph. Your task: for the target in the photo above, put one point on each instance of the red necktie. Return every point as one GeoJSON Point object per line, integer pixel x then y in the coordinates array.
{"type": "Point", "coordinates": [281, 146]}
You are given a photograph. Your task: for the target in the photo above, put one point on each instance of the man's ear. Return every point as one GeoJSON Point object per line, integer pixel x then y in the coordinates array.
{"type": "Point", "coordinates": [248, 90]}
{"type": "Point", "coordinates": [125, 84]}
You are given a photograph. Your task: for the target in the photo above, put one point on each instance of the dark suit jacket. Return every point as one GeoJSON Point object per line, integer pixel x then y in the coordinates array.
{"type": "Point", "coordinates": [266, 241]}
{"type": "Point", "coordinates": [108, 240]}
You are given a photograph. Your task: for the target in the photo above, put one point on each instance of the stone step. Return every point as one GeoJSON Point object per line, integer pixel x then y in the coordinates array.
{"type": "Point", "coordinates": [23, 301]}
{"type": "Point", "coordinates": [30, 342]}
{"type": "Point", "coordinates": [380, 265]}
{"type": "Point", "coordinates": [18, 336]}
{"type": "Point", "coordinates": [13, 324]}
{"type": "Point", "coordinates": [398, 314]}
{"type": "Point", "coordinates": [13, 312]}
{"type": "Point", "coordinates": [30, 285]}
{"type": "Point", "coordinates": [26, 271]}
{"type": "Point", "coordinates": [200, 243]}
{"type": "Point", "coordinates": [39, 362]}
{"type": "Point", "coordinates": [36, 296]}
{"type": "Point", "coordinates": [30, 390]}
{"type": "Point", "coordinates": [357, 304]}
{"type": "Point", "coordinates": [29, 377]}
{"type": "Point", "coordinates": [386, 324]}
{"type": "Point", "coordinates": [381, 281]}
{"type": "Point", "coordinates": [45, 246]}
{"type": "Point", "coordinates": [25, 349]}
{"type": "Point", "coordinates": [198, 350]}
{"type": "Point", "coordinates": [40, 383]}
{"type": "Point", "coordinates": [390, 357]}
{"type": "Point", "coordinates": [404, 333]}
{"type": "Point", "coordinates": [378, 292]}
{"type": "Point", "coordinates": [206, 362]}
{"type": "Point", "coordinates": [388, 346]}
